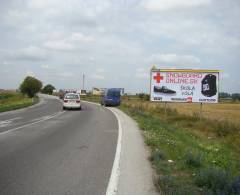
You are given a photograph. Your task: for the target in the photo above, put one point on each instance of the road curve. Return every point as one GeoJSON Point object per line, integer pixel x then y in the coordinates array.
{"type": "Point", "coordinates": [44, 150]}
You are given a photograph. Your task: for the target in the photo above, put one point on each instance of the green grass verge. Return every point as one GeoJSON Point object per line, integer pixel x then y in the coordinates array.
{"type": "Point", "coordinates": [91, 98]}
{"type": "Point", "coordinates": [13, 101]}
{"type": "Point", "coordinates": [185, 158]}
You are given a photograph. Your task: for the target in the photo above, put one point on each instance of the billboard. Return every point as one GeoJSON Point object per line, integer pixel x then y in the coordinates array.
{"type": "Point", "coordinates": [180, 85]}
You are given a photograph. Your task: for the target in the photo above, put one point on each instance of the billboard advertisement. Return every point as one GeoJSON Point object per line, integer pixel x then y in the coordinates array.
{"type": "Point", "coordinates": [177, 85]}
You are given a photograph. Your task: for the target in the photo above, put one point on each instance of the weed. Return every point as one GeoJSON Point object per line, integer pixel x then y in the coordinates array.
{"type": "Point", "coordinates": [224, 128]}
{"type": "Point", "coordinates": [215, 180]}
{"type": "Point", "coordinates": [157, 156]}
{"type": "Point", "coordinates": [193, 160]}
{"type": "Point", "coordinates": [13, 100]}
{"type": "Point", "coordinates": [236, 185]}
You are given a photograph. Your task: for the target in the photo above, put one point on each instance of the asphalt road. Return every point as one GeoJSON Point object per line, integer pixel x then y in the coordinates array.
{"type": "Point", "coordinates": [44, 150]}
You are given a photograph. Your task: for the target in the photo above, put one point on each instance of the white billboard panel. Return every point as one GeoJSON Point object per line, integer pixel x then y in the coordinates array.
{"type": "Point", "coordinates": [184, 85]}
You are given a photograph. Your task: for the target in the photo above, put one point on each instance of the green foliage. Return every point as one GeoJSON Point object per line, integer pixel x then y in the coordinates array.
{"type": "Point", "coordinates": [4, 96]}
{"type": "Point", "coordinates": [143, 96]}
{"type": "Point", "coordinates": [224, 128]}
{"type": "Point", "coordinates": [214, 180]}
{"type": "Point", "coordinates": [193, 160]}
{"type": "Point", "coordinates": [157, 156]}
{"type": "Point", "coordinates": [236, 96]}
{"type": "Point", "coordinates": [48, 89]}
{"type": "Point", "coordinates": [170, 136]}
{"type": "Point", "coordinates": [171, 186]}
{"type": "Point", "coordinates": [30, 86]}
{"type": "Point", "coordinates": [224, 95]}
{"type": "Point", "coordinates": [13, 101]}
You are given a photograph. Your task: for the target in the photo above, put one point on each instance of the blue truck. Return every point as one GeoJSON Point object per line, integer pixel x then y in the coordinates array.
{"type": "Point", "coordinates": [111, 97]}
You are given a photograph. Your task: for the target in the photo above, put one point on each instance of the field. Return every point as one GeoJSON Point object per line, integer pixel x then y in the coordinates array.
{"type": "Point", "coordinates": [191, 155]}
{"type": "Point", "coordinates": [12, 101]}
{"type": "Point", "coordinates": [221, 112]}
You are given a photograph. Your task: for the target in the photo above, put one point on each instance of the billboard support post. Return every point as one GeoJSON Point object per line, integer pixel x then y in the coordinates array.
{"type": "Point", "coordinates": [201, 108]}
{"type": "Point", "coordinates": [165, 108]}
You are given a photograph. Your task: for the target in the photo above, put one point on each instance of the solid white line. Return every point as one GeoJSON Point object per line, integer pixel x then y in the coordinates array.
{"type": "Point", "coordinates": [29, 124]}
{"type": "Point", "coordinates": [114, 178]}
{"type": "Point", "coordinates": [112, 187]}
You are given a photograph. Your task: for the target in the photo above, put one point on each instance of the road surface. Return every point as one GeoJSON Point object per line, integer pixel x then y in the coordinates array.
{"type": "Point", "coordinates": [44, 150]}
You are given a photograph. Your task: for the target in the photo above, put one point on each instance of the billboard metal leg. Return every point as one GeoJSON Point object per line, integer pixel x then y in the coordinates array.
{"type": "Point", "coordinates": [201, 109]}
{"type": "Point", "coordinates": [165, 108]}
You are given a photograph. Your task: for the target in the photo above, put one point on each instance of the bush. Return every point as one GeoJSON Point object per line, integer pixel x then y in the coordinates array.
{"type": "Point", "coordinates": [214, 180]}
{"type": "Point", "coordinates": [48, 89]}
{"type": "Point", "coordinates": [193, 160]}
{"type": "Point", "coordinates": [4, 96]}
{"type": "Point", "coordinates": [157, 156]}
{"type": "Point", "coordinates": [236, 185]}
{"type": "Point", "coordinates": [30, 86]}
{"type": "Point", "coordinates": [224, 128]}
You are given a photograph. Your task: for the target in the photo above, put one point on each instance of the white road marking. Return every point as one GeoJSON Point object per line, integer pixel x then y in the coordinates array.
{"type": "Point", "coordinates": [8, 122]}
{"type": "Point", "coordinates": [32, 123]}
{"type": "Point", "coordinates": [114, 178]}
{"type": "Point", "coordinates": [112, 187]}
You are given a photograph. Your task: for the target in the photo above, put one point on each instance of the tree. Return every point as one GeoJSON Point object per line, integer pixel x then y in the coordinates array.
{"type": "Point", "coordinates": [30, 86]}
{"type": "Point", "coordinates": [224, 95]}
{"type": "Point", "coordinates": [236, 96]}
{"type": "Point", "coordinates": [48, 89]}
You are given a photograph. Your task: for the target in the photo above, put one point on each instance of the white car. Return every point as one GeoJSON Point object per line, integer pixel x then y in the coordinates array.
{"type": "Point", "coordinates": [71, 100]}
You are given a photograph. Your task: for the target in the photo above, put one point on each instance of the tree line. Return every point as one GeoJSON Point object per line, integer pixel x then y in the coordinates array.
{"type": "Point", "coordinates": [233, 96]}
{"type": "Point", "coordinates": [31, 86]}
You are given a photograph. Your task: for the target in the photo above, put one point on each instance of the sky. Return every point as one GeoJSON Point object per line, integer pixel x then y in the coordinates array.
{"type": "Point", "coordinates": [114, 43]}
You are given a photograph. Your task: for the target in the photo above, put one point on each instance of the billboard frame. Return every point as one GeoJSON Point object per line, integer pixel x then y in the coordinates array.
{"type": "Point", "coordinates": [154, 69]}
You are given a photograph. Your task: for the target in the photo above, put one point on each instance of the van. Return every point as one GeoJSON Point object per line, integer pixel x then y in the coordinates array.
{"type": "Point", "coordinates": [111, 97]}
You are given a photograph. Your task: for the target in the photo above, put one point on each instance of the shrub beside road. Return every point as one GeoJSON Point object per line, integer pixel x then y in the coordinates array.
{"type": "Point", "coordinates": [13, 100]}
{"type": "Point", "coordinates": [30, 86]}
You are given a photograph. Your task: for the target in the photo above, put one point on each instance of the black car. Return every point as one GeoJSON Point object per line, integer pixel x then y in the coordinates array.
{"type": "Point", "coordinates": [163, 89]}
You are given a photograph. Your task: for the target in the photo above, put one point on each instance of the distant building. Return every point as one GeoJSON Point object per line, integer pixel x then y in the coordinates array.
{"type": "Point", "coordinates": [97, 91]}
{"type": "Point", "coordinates": [83, 92]}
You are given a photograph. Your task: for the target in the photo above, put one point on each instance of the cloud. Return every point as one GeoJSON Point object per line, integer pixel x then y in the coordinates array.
{"type": "Point", "coordinates": [174, 59]}
{"type": "Point", "coordinates": [66, 74]}
{"type": "Point", "coordinates": [67, 43]}
{"type": "Point", "coordinates": [97, 76]}
{"type": "Point", "coordinates": [30, 73]}
{"type": "Point", "coordinates": [59, 45]}
{"type": "Point", "coordinates": [100, 70]}
{"type": "Point", "coordinates": [162, 5]}
{"type": "Point", "coordinates": [142, 73]}
{"type": "Point", "coordinates": [79, 37]}
{"type": "Point", "coordinates": [30, 53]}
{"type": "Point", "coordinates": [45, 66]}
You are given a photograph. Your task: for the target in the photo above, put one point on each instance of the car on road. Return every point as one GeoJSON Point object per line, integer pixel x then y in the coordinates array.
{"type": "Point", "coordinates": [111, 97]}
{"type": "Point", "coordinates": [72, 101]}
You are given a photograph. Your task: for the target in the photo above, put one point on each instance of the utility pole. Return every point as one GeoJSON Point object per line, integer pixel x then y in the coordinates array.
{"type": "Point", "coordinates": [83, 81]}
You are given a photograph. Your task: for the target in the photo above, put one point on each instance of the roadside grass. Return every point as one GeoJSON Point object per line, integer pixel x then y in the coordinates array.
{"type": "Point", "coordinates": [91, 98]}
{"type": "Point", "coordinates": [12, 101]}
{"type": "Point", "coordinates": [223, 111]}
{"type": "Point", "coordinates": [187, 150]}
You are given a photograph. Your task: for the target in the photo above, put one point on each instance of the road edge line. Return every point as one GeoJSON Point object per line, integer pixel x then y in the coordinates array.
{"type": "Point", "coordinates": [114, 178]}
{"type": "Point", "coordinates": [112, 187]}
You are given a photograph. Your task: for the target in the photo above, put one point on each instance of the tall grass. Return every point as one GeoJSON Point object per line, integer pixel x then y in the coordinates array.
{"type": "Point", "coordinates": [183, 146]}
{"type": "Point", "coordinates": [12, 101]}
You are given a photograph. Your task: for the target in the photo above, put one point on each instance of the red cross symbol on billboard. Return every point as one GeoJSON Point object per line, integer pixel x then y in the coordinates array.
{"type": "Point", "coordinates": [158, 77]}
